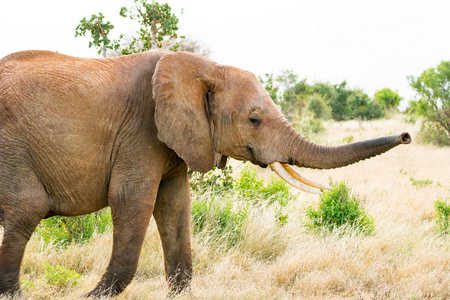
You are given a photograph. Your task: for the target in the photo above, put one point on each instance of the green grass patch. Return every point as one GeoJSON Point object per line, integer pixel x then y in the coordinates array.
{"type": "Point", "coordinates": [218, 180]}
{"type": "Point", "coordinates": [63, 231]}
{"type": "Point", "coordinates": [221, 212]}
{"type": "Point", "coordinates": [442, 216]}
{"type": "Point", "coordinates": [222, 219]}
{"type": "Point", "coordinates": [420, 182]}
{"type": "Point", "coordinates": [60, 276]}
{"type": "Point", "coordinates": [338, 208]}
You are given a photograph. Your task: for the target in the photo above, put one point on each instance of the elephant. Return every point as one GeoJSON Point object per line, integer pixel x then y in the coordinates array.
{"type": "Point", "coordinates": [78, 135]}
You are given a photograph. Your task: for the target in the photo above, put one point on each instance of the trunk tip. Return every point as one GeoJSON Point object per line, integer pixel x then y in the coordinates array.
{"type": "Point", "coordinates": [405, 138]}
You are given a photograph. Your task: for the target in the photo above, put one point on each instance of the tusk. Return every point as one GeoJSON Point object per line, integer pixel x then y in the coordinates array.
{"type": "Point", "coordinates": [278, 168]}
{"type": "Point", "coordinates": [305, 180]}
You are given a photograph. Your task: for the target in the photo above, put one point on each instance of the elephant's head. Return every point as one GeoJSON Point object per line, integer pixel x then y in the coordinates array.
{"type": "Point", "coordinates": [207, 112]}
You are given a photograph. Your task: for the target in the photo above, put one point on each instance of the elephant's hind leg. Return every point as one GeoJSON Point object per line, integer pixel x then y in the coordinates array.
{"type": "Point", "coordinates": [172, 215]}
{"type": "Point", "coordinates": [23, 203]}
{"type": "Point", "coordinates": [18, 224]}
{"type": "Point", "coordinates": [15, 238]}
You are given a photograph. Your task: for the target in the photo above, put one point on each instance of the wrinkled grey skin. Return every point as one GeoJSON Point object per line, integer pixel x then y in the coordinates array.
{"type": "Point", "coordinates": [77, 135]}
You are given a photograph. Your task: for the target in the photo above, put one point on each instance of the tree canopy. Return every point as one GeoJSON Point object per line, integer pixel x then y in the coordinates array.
{"type": "Point", "coordinates": [389, 98]}
{"type": "Point", "coordinates": [433, 88]}
{"type": "Point", "coordinates": [158, 26]}
{"type": "Point", "coordinates": [323, 100]}
{"type": "Point", "coordinates": [99, 30]}
{"type": "Point", "coordinates": [158, 29]}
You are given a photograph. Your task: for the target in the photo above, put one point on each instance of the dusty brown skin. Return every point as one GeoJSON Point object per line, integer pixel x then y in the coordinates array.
{"type": "Point", "coordinates": [77, 135]}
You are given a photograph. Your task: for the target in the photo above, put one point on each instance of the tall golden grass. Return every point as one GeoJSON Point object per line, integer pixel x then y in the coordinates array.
{"type": "Point", "coordinates": [404, 259]}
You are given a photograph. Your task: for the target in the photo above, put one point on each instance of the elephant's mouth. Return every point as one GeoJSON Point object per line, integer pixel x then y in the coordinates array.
{"type": "Point", "coordinates": [253, 159]}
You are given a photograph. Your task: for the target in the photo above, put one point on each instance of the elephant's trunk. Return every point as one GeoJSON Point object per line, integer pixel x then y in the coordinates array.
{"type": "Point", "coordinates": [310, 155]}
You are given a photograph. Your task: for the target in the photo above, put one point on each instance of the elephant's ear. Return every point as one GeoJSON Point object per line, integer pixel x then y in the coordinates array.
{"type": "Point", "coordinates": [180, 84]}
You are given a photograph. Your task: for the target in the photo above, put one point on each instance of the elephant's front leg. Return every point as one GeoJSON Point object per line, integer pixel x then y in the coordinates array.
{"type": "Point", "coordinates": [131, 209]}
{"type": "Point", "coordinates": [172, 215]}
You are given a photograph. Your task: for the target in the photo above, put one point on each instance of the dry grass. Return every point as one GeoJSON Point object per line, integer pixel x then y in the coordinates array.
{"type": "Point", "coordinates": [404, 259]}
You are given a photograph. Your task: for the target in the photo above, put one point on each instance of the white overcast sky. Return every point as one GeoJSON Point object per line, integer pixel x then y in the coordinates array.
{"type": "Point", "coordinates": [371, 44]}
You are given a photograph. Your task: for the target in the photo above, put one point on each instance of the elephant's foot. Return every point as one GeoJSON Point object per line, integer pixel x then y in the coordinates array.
{"type": "Point", "coordinates": [108, 288]}
{"type": "Point", "coordinates": [180, 283]}
{"type": "Point", "coordinates": [9, 289]}
{"type": "Point", "coordinates": [9, 283]}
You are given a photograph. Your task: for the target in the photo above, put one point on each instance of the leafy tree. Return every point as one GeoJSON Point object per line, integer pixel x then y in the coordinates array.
{"type": "Point", "coordinates": [433, 87]}
{"type": "Point", "coordinates": [287, 92]}
{"type": "Point", "coordinates": [363, 107]}
{"type": "Point", "coordinates": [158, 29]}
{"type": "Point", "coordinates": [271, 86]}
{"type": "Point", "coordinates": [389, 98]}
{"type": "Point", "coordinates": [340, 107]}
{"type": "Point", "coordinates": [328, 91]}
{"type": "Point", "coordinates": [99, 30]}
{"type": "Point", "coordinates": [298, 100]}
{"type": "Point", "coordinates": [158, 26]}
{"type": "Point", "coordinates": [318, 106]}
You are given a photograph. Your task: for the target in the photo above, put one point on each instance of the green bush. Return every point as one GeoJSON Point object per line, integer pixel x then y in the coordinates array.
{"type": "Point", "coordinates": [433, 103]}
{"type": "Point", "coordinates": [60, 276]}
{"type": "Point", "coordinates": [362, 107]}
{"type": "Point", "coordinates": [442, 216]}
{"type": "Point", "coordinates": [66, 230]}
{"type": "Point", "coordinates": [325, 100]}
{"type": "Point", "coordinates": [251, 187]}
{"type": "Point", "coordinates": [431, 133]}
{"type": "Point", "coordinates": [389, 98]}
{"type": "Point", "coordinates": [216, 180]}
{"type": "Point", "coordinates": [319, 107]}
{"type": "Point", "coordinates": [420, 182]}
{"type": "Point", "coordinates": [310, 127]}
{"type": "Point", "coordinates": [223, 214]}
{"type": "Point", "coordinates": [219, 218]}
{"type": "Point", "coordinates": [338, 208]}
{"type": "Point", "coordinates": [275, 192]}
{"type": "Point", "coordinates": [348, 139]}
{"type": "Point", "coordinates": [340, 106]}
{"type": "Point", "coordinates": [26, 284]}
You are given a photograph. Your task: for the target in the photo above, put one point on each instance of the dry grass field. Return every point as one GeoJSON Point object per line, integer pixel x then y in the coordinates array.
{"type": "Point", "coordinates": [404, 259]}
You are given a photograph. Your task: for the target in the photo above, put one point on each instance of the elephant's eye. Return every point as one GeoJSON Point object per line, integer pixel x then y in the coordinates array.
{"type": "Point", "coordinates": [254, 120]}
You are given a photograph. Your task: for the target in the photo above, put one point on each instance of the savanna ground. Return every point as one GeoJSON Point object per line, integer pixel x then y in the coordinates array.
{"type": "Point", "coordinates": [405, 258]}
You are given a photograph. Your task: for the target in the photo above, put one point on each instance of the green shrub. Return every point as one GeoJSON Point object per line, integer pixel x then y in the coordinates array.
{"type": "Point", "coordinates": [362, 107]}
{"type": "Point", "coordinates": [348, 139]}
{"type": "Point", "coordinates": [66, 230]}
{"type": "Point", "coordinates": [318, 106]}
{"type": "Point", "coordinates": [216, 180]}
{"type": "Point", "coordinates": [442, 216]}
{"type": "Point", "coordinates": [338, 208]}
{"type": "Point", "coordinates": [26, 284]}
{"type": "Point", "coordinates": [389, 98]}
{"type": "Point", "coordinates": [433, 103]}
{"type": "Point", "coordinates": [341, 109]}
{"type": "Point", "coordinates": [223, 214]}
{"type": "Point", "coordinates": [431, 133]}
{"type": "Point", "coordinates": [420, 182]}
{"type": "Point", "coordinates": [223, 219]}
{"type": "Point", "coordinates": [60, 276]}
{"type": "Point", "coordinates": [275, 192]}
{"type": "Point", "coordinates": [248, 184]}
{"type": "Point", "coordinates": [251, 187]}
{"type": "Point", "coordinates": [309, 127]}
